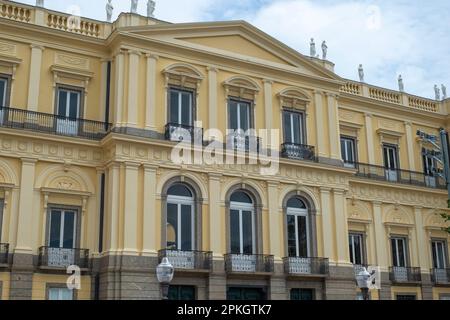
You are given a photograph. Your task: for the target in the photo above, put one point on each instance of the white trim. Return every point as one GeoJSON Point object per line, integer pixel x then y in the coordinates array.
{"type": "Point", "coordinates": [296, 212]}
{"type": "Point", "coordinates": [240, 208]}
{"type": "Point", "coordinates": [180, 201]}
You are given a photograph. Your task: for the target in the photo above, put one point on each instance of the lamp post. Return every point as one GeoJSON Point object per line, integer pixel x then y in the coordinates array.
{"type": "Point", "coordinates": [164, 273]}
{"type": "Point", "coordinates": [362, 278]}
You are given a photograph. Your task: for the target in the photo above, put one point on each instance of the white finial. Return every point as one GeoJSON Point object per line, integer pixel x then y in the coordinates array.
{"type": "Point", "coordinates": [109, 11]}
{"type": "Point", "coordinates": [401, 85]}
{"type": "Point", "coordinates": [312, 48]}
{"type": "Point", "coordinates": [324, 50]}
{"type": "Point", "coordinates": [151, 8]}
{"type": "Point", "coordinates": [437, 92]}
{"type": "Point", "coordinates": [444, 92]}
{"type": "Point", "coordinates": [40, 3]}
{"type": "Point", "coordinates": [361, 73]}
{"type": "Point", "coordinates": [134, 5]}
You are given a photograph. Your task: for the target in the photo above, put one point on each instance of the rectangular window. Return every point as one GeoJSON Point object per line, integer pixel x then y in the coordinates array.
{"type": "Point", "coordinates": [429, 168]}
{"type": "Point", "coordinates": [302, 294]}
{"type": "Point", "coordinates": [177, 293]}
{"type": "Point", "coordinates": [356, 243]}
{"type": "Point", "coordinates": [68, 111]}
{"type": "Point", "coordinates": [3, 91]}
{"type": "Point", "coordinates": [438, 249]}
{"type": "Point", "coordinates": [406, 297]}
{"type": "Point", "coordinates": [348, 151]}
{"type": "Point", "coordinates": [240, 115]}
{"type": "Point", "coordinates": [62, 229]}
{"type": "Point", "coordinates": [181, 107]}
{"type": "Point", "coordinates": [399, 255]}
{"type": "Point", "coordinates": [60, 294]}
{"type": "Point", "coordinates": [391, 163]}
{"type": "Point", "coordinates": [293, 127]}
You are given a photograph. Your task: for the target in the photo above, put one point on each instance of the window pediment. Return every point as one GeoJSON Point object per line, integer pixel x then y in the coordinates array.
{"type": "Point", "coordinates": [389, 136]}
{"type": "Point", "coordinates": [293, 98]}
{"type": "Point", "coordinates": [183, 75]}
{"type": "Point", "coordinates": [241, 87]}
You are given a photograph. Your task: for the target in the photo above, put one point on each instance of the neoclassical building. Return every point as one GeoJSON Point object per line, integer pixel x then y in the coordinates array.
{"type": "Point", "coordinates": [89, 118]}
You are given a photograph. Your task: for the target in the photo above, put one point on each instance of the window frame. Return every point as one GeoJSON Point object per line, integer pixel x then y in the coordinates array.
{"type": "Point", "coordinates": [69, 88]}
{"type": "Point", "coordinates": [50, 286]}
{"type": "Point", "coordinates": [445, 252]}
{"type": "Point", "coordinates": [8, 79]}
{"type": "Point", "coordinates": [292, 290]}
{"type": "Point", "coordinates": [180, 90]}
{"type": "Point", "coordinates": [396, 155]}
{"type": "Point", "coordinates": [355, 151]}
{"type": "Point", "coordinates": [77, 226]}
{"type": "Point", "coordinates": [296, 212]}
{"type": "Point", "coordinates": [363, 246]}
{"type": "Point", "coordinates": [241, 207]}
{"type": "Point", "coordinates": [237, 100]}
{"type": "Point", "coordinates": [405, 250]}
{"type": "Point", "coordinates": [302, 125]}
{"type": "Point", "coordinates": [179, 201]}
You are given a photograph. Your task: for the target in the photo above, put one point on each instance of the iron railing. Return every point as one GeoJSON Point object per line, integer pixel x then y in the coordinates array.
{"type": "Point", "coordinates": [187, 260]}
{"type": "Point", "coordinates": [440, 276]}
{"type": "Point", "coordinates": [243, 142]}
{"type": "Point", "coordinates": [4, 251]}
{"type": "Point", "coordinates": [398, 176]}
{"type": "Point", "coordinates": [249, 263]}
{"type": "Point", "coordinates": [307, 266]}
{"type": "Point", "coordinates": [62, 257]}
{"type": "Point", "coordinates": [404, 274]}
{"type": "Point", "coordinates": [53, 124]}
{"type": "Point", "coordinates": [180, 132]}
{"type": "Point", "coordinates": [298, 151]}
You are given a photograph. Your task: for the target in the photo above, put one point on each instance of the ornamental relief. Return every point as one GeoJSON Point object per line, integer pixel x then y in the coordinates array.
{"type": "Point", "coordinates": [65, 183]}
{"type": "Point", "coordinates": [8, 49]}
{"type": "Point", "coordinates": [71, 61]}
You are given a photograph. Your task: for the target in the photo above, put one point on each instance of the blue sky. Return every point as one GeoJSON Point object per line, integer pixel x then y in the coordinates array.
{"type": "Point", "coordinates": [408, 37]}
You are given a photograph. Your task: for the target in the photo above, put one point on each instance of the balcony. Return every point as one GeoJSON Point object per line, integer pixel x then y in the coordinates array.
{"type": "Point", "coordinates": [4, 251]}
{"type": "Point", "coordinates": [188, 260]}
{"type": "Point", "coordinates": [440, 276]}
{"type": "Point", "coordinates": [53, 124]}
{"type": "Point", "coordinates": [306, 266]}
{"type": "Point", "coordinates": [61, 258]}
{"type": "Point", "coordinates": [298, 151]}
{"type": "Point", "coordinates": [243, 142]}
{"type": "Point", "coordinates": [398, 176]}
{"type": "Point", "coordinates": [404, 274]}
{"type": "Point", "coordinates": [179, 132]}
{"type": "Point", "coordinates": [253, 263]}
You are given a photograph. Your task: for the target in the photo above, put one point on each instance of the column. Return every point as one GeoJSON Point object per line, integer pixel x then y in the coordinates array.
{"type": "Point", "coordinates": [35, 77]}
{"type": "Point", "coordinates": [410, 146]}
{"type": "Point", "coordinates": [150, 110]}
{"type": "Point", "coordinates": [268, 105]}
{"type": "Point", "coordinates": [340, 214]}
{"type": "Point", "coordinates": [113, 191]}
{"type": "Point", "coordinates": [321, 146]}
{"type": "Point", "coordinates": [275, 227]}
{"type": "Point", "coordinates": [119, 87]}
{"type": "Point", "coordinates": [104, 84]}
{"type": "Point", "coordinates": [380, 236]}
{"type": "Point", "coordinates": [333, 128]}
{"type": "Point", "coordinates": [149, 220]}
{"type": "Point", "coordinates": [212, 98]}
{"type": "Point", "coordinates": [369, 138]}
{"type": "Point", "coordinates": [327, 223]}
{"type": "Point", "coordinates": [422, 242]}
{"type": "Point", "coordinates": [24, 227]}
{"type": "Point", "coordinates": [131, 208]}
{"type": "Point", "coordinates": [217, 225]}
{"type": "Point", "coordinates": [133, 88]}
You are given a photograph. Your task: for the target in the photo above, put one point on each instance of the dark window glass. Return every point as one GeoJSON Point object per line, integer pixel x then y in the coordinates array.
{"type": "Point", "coordinates": [356, 248]}
{"type": "Point", "coordinates": [172, 226]}
{"type": "Point", "coordinates": [181, 107]}
{"type": "Point", "coordinates": [406, 297]}
{"type": "Point", "coordinates": [302, 235]}
{"type": "Point", "coordinates": [68, 103]}
{"type": "Point", "coordinates": [302, 294]}
{"type": "Point", "coordinates": [185, 293]}
{"type": "Point", "coordinates": [3, 86]}
{"type": "Point", "coordinates": [348, 150]}
{"type": "Point", "coordinates": [69, 228]}
{"type": "Point", "coordinates": [55, 229]}
{"type": "Point", "coordinates": [247, 229]}
{"type": "Point", "coordinates": [241, 197]}
{"type": "Point", "coordinates": [292, 237]}
{"type": "Point", "coordinates": [390, 157]}
{"type": "Point", "coordinates": [186, 227]}
{"type": "Point", "coordinates": [62, 106]}
{"type": "Point", "coordinates": [398, 252]}
{"type": "Point", "coordinates": [174, 107]}
{"type": "Point", "coordinates": [293, 127]}
{"type": "Point", "coordinates": [239, 115]}
{"type": "Point", "coordinates": [235, 232]}
{"type": "Point", "coordinates": [438, 249]}
{"type": "Point", "coordinates": [179, 190]}
{"type": "Point", "coordinates": [245, 294]}
{"type": "Point", "coordinates": [296, 203]}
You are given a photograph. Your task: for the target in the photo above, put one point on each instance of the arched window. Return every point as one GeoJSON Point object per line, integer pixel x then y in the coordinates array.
{"type": "Point", "coordinates": [242, 223]}
{"type": "Point", "coordinates": [297, 228]}
{"type": "Point", "coordinates": [180, 218]}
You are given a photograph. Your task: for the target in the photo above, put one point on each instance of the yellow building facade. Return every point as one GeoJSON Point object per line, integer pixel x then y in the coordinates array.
{"type": "Point", "coordinates": [88, 125]}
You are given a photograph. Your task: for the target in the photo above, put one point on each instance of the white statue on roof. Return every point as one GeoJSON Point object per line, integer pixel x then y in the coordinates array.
{"type": "Point", "coordinates": [312, 48]}
{"type": "Point", "coordinates": [361, 73]}
{"type": "Point", "coordinates": [444, 92]}
{"type": "Point", "coordinates": [40, 3]}
{"type": "Point", "coordinates": [151, 8]}
{"type": "Point", "coordinates": [437, 92]}
{"type": "Point", "coordinates": [401, 85]}
{"type": "Point", "coordinates": [134, 5]}
{"type": "Point", "coordinates": [324, 50]}
{"type": "Point", "coordinates": [109, 11]}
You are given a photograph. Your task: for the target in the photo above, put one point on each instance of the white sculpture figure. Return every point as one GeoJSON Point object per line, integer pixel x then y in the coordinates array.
{"type": "Point", "coordinates": [109, 11]}
{"type": "Point", "coordinates": [444, 92]}
{"type": "Point", "coordinates": [437, 92]}
{"type": "Point", "coordinates": [324, 50]}
{"type": "Point", "coordinates": [312, 48]}
{"type": "Point", "coordinates": [151, 8]}
{"type": "Point", "coordinates": [40, 3]}
{"type": "Point", "coordinates": [134, 5]}
{"type": "Point", "coordinates": [361, 73]}
{"type": "Point", "coordinates": [401, 85]}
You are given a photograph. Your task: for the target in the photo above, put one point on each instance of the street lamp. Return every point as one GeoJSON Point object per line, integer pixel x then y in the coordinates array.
{"type": "Point", "coordinates": [164, 273]}
{"type": "Point", "coordinates": [362, 278]}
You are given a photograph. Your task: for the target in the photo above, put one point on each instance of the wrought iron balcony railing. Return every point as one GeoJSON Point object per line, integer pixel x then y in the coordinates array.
{"type": "Point", "coordinates": [305, 266]}
{"type": "Point", "coordinates": [243, 142]}
{"type": "Point", "coordinates": [62, 257]}
{"type": "Point", "coordinates": [398, 176]}
{"type": "Point", "coordinates": [180, 132]}
{"type": "Point", "coordinates": [4, 251]}
{"type": "Point", "coordinates": [188, 260]}
{"type": "Point", "coordinates": [440, 276]}
{"type": "Point", "coordinates": [298, 151]}
{"type": "Point", "coordinates": [404, 274]}
{"type": "Point", "coordinates": [53, 124]}
{"type": "Point", "coordinates": [253, 263]}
